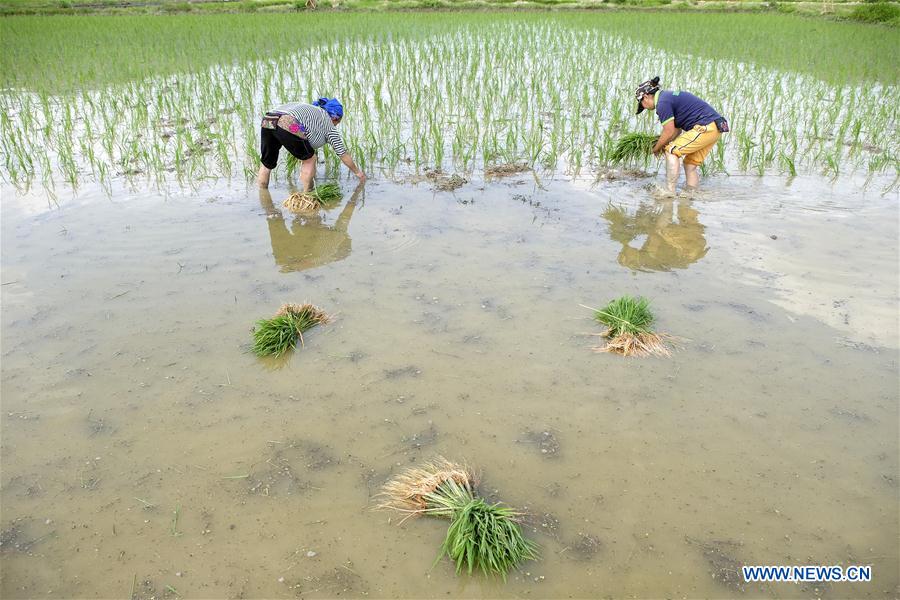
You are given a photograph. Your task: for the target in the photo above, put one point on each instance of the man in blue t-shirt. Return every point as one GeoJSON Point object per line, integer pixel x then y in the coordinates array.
{"type": "Point", "coordinates": [691, 128]}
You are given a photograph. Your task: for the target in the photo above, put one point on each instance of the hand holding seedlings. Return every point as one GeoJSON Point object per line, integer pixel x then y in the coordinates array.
{"type": "Point", "coordinates": [312, 200]}
{"type": "Point", "coordinates": [632, 146]}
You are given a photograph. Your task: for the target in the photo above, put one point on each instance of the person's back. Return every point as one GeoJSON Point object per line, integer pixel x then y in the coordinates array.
{"type": "Point", "coordinates": [690, 129]}
{"type": "Point", "coordinates": [302, 129]}
{"type": "Point", "coordinates": [685, 108]}
{"type": "Point", "coordinates": [315, 123]}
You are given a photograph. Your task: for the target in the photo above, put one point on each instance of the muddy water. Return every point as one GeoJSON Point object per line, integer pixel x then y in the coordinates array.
{"type": "Point", "coordinates": [145, 451]}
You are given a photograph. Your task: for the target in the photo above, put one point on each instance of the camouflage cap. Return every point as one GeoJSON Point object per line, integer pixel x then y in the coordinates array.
{"type": "Point", "coordinates": [651, 86]}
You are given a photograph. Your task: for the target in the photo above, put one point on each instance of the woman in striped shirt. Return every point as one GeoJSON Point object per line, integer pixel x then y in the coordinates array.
{"type": "Point", "coordinates": [302, 129]}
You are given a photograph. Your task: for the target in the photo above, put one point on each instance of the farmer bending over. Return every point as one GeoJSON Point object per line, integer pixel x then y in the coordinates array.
{"type": "Point", "coordinates": [302, 129]}
{"type": "Point", "coordinates": [691, 128]}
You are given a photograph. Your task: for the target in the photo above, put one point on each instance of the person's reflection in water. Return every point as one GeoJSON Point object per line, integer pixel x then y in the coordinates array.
{"type": "Point", "coordinates": [670, 243]}
{"type": "Point", "coordinates": [308, 242]}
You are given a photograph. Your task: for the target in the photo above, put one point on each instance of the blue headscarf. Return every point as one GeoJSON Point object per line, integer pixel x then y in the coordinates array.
{"type": "Point", "coordinates": [332, 106]}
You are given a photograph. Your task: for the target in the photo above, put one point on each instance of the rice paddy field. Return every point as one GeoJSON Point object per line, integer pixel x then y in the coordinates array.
{"type": "Point", "coordinates": [148, 452]}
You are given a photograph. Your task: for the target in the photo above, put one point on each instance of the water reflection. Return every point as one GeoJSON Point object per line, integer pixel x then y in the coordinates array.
{"type": "Point", "coordinates": [657, 237]}
{"type": "Point", "coordinates": [309, 241]}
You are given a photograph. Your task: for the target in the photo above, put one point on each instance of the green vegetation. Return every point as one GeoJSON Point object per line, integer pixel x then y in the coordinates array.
{"type": "Point", "coordinates": [626, 315]}
{"type": "Point", "coordinates": [275, 336]}
{"type": "Point", "coordinates": [327, 193]}
{"type": "Point", "coordinates": [838, 8]}
{"type": "Point", "coordinates": [449, 497]}
{"type": "Point", "coordinates": [108, 100]}
{"type": "Point", "coordinates": [323, 195]}
{"type": "Point", "coordinates": [482, 536]}
{"type": "Point", "coordinates": [95, 51]}
{"type": "Point", "coordinates": [878, 12]}
{"type": "Point", "coordinates": [628, 321]}
{"type": "Point", "coordinates": [415, 490]}
{"type": "Point", "coordinates": [633, 146]}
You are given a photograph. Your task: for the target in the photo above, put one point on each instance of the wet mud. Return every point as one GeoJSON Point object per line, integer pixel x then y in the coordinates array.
{"type": "Point", "coordinates": [145, 451]}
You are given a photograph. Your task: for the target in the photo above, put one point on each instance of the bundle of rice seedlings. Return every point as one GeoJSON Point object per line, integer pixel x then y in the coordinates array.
{"type": "Point", "coordinates": [481, 535]}
{"type": "Point", "coordinates": [314, 199]}
{"type": "Point", "coordinates": [421, 490]}
{"type": "Point", "coordinates": [275, 336]}
{"type": "Point", "coordinates": [486, 537]}
{"type": "Point", "coordinates": [628, 321]}
{"type": "Point", "coordinates": [632, 146]}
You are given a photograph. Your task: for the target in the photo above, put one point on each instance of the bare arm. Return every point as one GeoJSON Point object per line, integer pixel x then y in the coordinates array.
{"type": "Point", "coordinates": [668, 134]}
{"type": "Point", "coordinates": [348, 160]}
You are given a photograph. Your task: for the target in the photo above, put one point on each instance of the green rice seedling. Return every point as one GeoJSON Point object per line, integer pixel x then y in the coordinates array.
{"type": "Point", "coordinates": [449, 497]}
{"type": "Point", "coordinates": [275, 336]}
{"type": "Point", "coordinates": [632, 146]}
{"type": "Point", "coordinates": [481, 535]}
{"type": "Point", "coordinates": [403, 71]}
{"type": "Point", "coordinates": [789, 165]}
{"type": "Point", "coordinates": [629, 321]}
{"type": "Point", "coordinates": [486, 537]}
{"type": "Point", "coordinates": [626, 315]}
{"type": "Point", "coordinates": [323, 195]}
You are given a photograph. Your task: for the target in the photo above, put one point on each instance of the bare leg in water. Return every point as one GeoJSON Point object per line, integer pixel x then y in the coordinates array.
{"type": "Point", "coordinates": [263, 177]}
{"type": "Point", "coordinates": [308, 173]}
{"type": "Point", "coordinates": [673, 166]}
{"type": "Point", "coordinates": [691, 177]}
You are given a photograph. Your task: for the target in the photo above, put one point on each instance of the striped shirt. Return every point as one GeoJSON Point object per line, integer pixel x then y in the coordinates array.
{"type": "Point", "coordinates": [318, 125]}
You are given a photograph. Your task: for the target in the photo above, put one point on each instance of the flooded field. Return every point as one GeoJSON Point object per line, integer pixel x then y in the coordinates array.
{"type": "Point", "coordinates": [145, 451]}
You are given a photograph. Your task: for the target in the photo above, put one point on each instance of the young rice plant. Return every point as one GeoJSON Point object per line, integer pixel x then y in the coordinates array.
{"type": "Point", "coordinates": [321, 196]}
{"type": "Point", "coordinates": [275, 336]}
{"type": "Point", "coordinates": [481, 536]}
{"type": "Point", "coordinates": [629, 321]}
{"type": "Point", "coordinates": [632, 147]}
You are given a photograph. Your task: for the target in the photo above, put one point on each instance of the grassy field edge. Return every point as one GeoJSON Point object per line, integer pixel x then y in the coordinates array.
{"type": "Point", "coordinates": [840, 9]}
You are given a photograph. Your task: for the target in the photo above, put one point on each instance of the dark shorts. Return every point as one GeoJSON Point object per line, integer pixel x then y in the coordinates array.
{"type": "Point", "coordinates": [272, 140]}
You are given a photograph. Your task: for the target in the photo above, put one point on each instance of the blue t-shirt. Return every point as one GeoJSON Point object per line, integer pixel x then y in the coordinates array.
{"type": "Point", "coordinates": [687, 109]}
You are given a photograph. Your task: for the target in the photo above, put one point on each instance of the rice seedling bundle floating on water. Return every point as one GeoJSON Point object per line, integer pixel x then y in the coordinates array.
{"type": "Point", "coordinates": [314, 199]}
{"type": "Point", "coordinates": [481, 536]}
{"type": "Point", "coordinates": [486, 537]}
{"type": "Point", "coordinates": [275, 336]}
{"type": "Point", "coordinates": [411, 491]}
{"type": "Point", "coordinates": [629, 321]}
{"type": "Point", "coordinates": [632, 146]}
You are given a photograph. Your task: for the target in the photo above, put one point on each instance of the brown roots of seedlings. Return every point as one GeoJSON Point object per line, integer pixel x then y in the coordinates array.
{"type": "Point", "coordinates": [302, 202]}
{"type": "Point", "coordinates": [407, 491]}
{"type": "Point", "coordinates": [306, 311]}
{"type": "Point", "coordinates": [641, 344]}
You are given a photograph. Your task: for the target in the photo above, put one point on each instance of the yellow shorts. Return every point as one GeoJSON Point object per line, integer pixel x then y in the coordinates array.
{"type": "Point", "coordinates": [695, 144]}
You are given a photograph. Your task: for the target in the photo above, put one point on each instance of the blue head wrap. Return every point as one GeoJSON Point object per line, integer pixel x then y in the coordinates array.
{"type": "Point", "coordinates": [332, 106]}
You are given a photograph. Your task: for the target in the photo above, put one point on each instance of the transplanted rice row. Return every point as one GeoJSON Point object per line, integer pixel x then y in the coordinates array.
{"type": "Point", "coordinates": [396, 82]}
